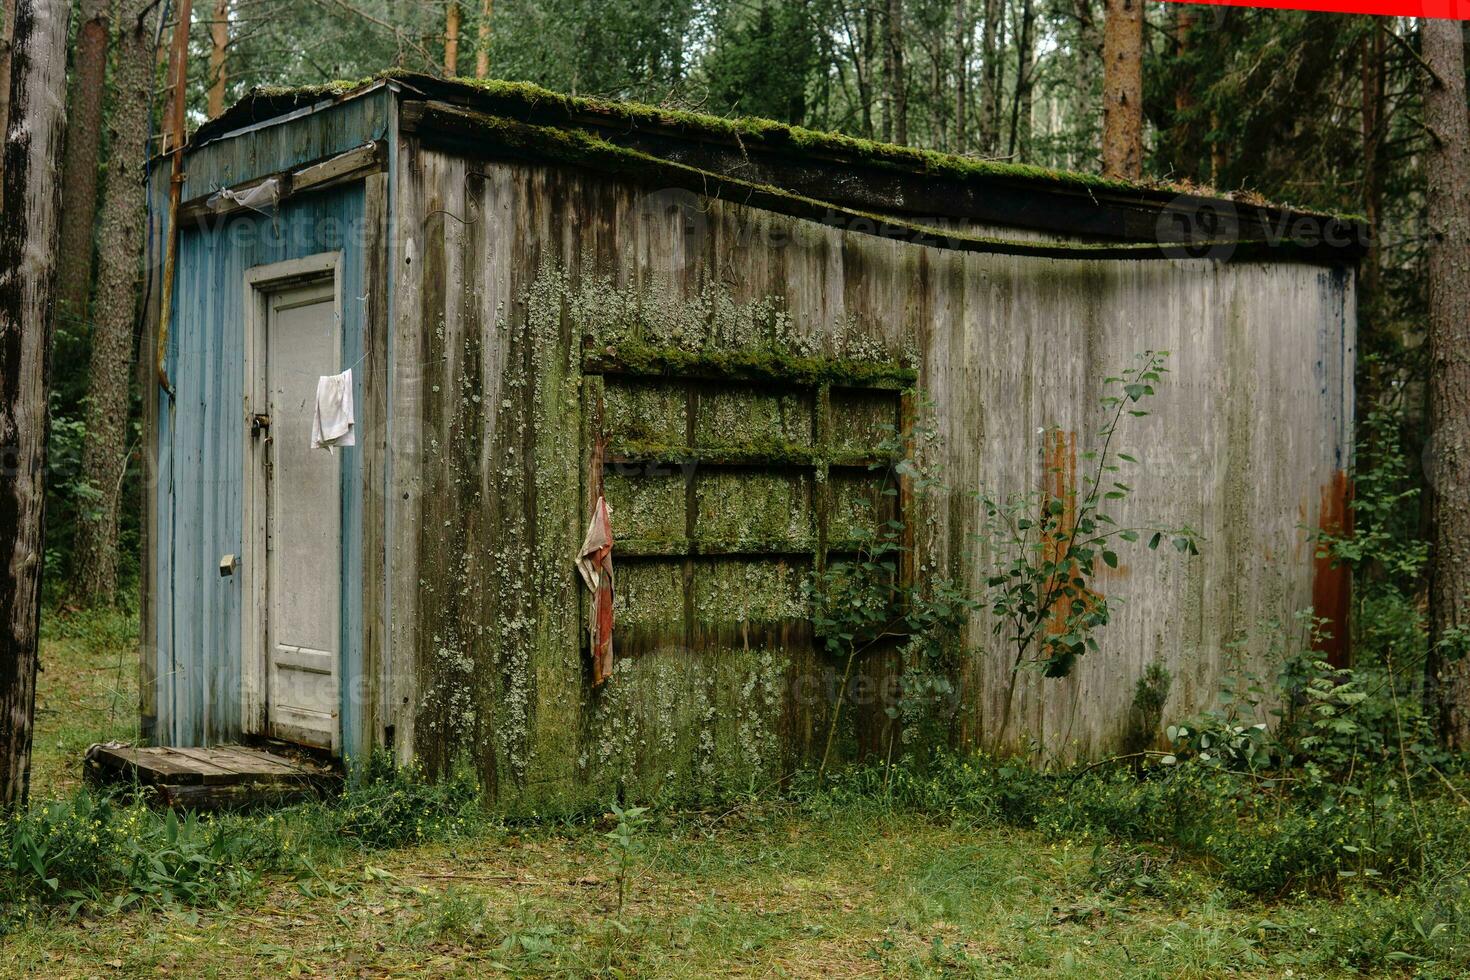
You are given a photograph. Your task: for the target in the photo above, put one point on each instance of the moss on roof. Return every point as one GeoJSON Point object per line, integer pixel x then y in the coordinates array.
{"type": "Point", "coordinates": [517, 98]}
{"type": "Point", "coordinates": [768, 133]}
{"type": "Point", "coordinates": [526, 100]}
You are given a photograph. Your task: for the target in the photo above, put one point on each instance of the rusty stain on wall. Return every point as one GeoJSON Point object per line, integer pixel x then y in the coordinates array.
{"type": "Point", "coordinates": [1059, 482]}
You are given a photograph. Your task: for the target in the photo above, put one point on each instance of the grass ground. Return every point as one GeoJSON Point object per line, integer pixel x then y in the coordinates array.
{"type": "Point", "coordinates": [87, 692]}
{"type": "Point", "coordinates": [768, 891]}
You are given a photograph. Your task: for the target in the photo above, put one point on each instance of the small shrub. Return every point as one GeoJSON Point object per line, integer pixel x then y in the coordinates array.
{"type": "Point", "coordinates": [1147, 710]}
{"type": "Point", "coordinates": [390, 806]}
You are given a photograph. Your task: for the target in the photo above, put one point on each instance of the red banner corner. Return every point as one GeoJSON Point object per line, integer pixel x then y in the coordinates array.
{"type": "Point", "coordinates": [1433, 9]}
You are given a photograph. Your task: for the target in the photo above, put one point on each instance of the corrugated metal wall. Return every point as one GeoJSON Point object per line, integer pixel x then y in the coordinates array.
{"type": "Point", "coordinates": [193, 629]}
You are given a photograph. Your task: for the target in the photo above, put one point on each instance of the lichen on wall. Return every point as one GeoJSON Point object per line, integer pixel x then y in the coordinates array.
{"type": "Point", "coordinates": [740, 390]}
{"type": "Point", "coordinates": [703, 698]}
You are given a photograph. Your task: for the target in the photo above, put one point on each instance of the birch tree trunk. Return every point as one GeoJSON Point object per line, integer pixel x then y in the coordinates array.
{"type": "Point", "coordinates": [28, 239]}
{"type": "Point", "coordinates": [1122, 137]}
{"type": "Point", "coordinates": [79, 168]}
{"type": "Point", "coordinates": [1447, 199]}
{"type": "Point", "coordinates": [94, 578]}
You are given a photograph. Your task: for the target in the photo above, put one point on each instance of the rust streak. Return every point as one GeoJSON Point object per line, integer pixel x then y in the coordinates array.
{"type": "Point", "coordinates": [1059, 482]}
{"type": "Point", "coordinates": [1332, 583]}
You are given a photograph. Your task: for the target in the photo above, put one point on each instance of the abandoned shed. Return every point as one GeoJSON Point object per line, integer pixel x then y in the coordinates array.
{"type": "Point", "coordinates": [724, 324]}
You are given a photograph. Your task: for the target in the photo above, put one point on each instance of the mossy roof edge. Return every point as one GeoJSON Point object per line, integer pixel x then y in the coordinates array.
{"type": "Point", "coordinates": [577, 147]}
{"type": "Point", "coordinates": [526, 100]}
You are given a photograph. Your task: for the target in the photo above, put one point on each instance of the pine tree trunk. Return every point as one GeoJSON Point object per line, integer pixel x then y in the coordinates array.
{"type": "Point", "coordinates": [7, 10]}
{"type": "Point", "coordinates": [961, 74]}
{"type": "Point", "coordinates": [451, 40]}
{"type": "Point", "coordinates": [94, 578]}
{"type": "Point", "coordinates": [1182, 140]}
{"type": "Point", "coordinates": [896, 116]}
{"type": "Point", "coordinates": [1020, 129]}
{"type": "Point", "coordinates": [863, 69]}
{"type": "Point", "coordinates": [177, 54]}
{"type": "Point", "coordinates": [219, 46]}
{"type": "Point", "coordinates": [1374, 91]}
{"type": "Point", "coordinates": [79, 168]}
{"type": "Point", "coordinates": [1122, 137]}
{"type": "Point", "coordinates": [28, 240]}
{"type": "Point", "coordinates": [990, 77]}
{"type": "Point", "coordinates": [482, 42]}
{"type": "Point", "coordinates": [1447, 200]}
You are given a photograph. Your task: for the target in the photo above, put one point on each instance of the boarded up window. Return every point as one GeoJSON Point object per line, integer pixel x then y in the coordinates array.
{"type": "Point", "coordinates": [729, 482]}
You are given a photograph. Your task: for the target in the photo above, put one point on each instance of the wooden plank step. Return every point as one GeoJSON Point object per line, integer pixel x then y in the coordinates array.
{"type": "Point", "coordinates": [219, 777]}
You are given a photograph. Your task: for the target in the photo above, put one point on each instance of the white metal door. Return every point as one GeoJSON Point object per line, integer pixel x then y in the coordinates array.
{"type": "Point", "coordinates": [302, 522]}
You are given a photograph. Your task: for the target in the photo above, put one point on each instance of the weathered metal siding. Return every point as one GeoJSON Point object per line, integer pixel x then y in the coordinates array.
{"type": "Point", "coordinates": [279, 145]}
{"type": "Point", "coordinates": [192, 631]}
{"type": "Point", "coordinates": [200, 438]}
{"type": "Point", "coordinates": [499, 274]}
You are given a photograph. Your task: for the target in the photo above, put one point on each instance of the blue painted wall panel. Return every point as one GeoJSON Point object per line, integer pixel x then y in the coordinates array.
{"type": "Point", "coordinates": [201, 440]}
{"type": "Point", "coordinates": [271, 149]}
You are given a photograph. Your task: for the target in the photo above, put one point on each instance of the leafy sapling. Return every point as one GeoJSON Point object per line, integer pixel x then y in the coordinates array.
{"type": "Point", "coordinates": [1044, 545]}
{"type": "Point", "coordinates": [625, 845]}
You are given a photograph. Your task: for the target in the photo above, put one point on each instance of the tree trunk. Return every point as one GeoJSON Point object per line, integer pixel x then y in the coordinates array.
{"type": "Point", "coordinates": [451, 40]}
{"type": "Point", "coordinates": [1447, 201]}
{"type": "Point", "coordinates": [864, 68]}
{"type": "Point", "coordinates": [6, 32]}
{"type": "Point", "coordinates": [939, 119]}
{"type": "Point", "coordinates": [94, 578]}
{"type": "Point", "coordinates": [174, 115]}
{"type": "Point", "coordinates": [28, 241]}
{"type": "Point", "coordinates": [482, 42]}
{"type": "Point", "coordinates": [961, 73]}
{"type": "Point", "coordinates": [1021, 96]}
{"type": "Point", "coordinates": [1374, 90]}
{"type": "Point", "coordinates": [1183, 156]}
{"type": "Point", "coordinates": [219, 44]}
{"type": "Point", "coordinates": [1122, 137]}
{"type": "Point", "coordinates": [990, 77]}
{"type": "Point", "coordinates": [79, 167]}
{"type": "Point", "coordinates": [896, 115]}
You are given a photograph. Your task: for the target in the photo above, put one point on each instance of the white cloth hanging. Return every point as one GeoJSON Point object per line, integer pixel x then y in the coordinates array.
{"type": "Point", "coordinates": [331, 423]}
